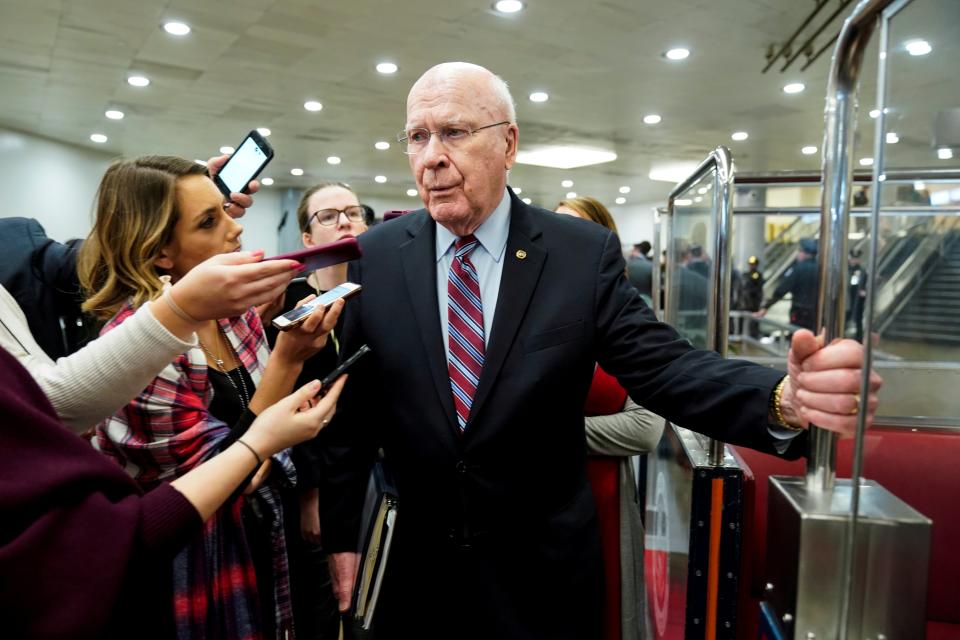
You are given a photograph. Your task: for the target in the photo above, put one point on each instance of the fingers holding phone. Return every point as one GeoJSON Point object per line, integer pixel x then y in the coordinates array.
{"type": "Point", "coordinates": [309, 336]}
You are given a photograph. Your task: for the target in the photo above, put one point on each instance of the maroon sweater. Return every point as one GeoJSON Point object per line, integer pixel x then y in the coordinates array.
{"type": "Point", "coordinates": [84, 552]}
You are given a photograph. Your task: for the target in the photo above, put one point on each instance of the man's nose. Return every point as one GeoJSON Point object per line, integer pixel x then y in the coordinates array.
{"type": "Point", "coordinates": [434, 154]}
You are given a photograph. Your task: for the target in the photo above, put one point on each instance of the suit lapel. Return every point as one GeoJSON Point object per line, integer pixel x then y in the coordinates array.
{"type": "Point", "coordinates": [517, 284]}
{"type": "Point", "coordinates": [418, 256]}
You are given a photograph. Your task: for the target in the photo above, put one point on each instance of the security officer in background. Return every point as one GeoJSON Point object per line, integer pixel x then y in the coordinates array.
{"type": "Point", "coordinates": [751, 292]}
{"type": "Point", "coordinates": [800, 281]}
{"type": "Point", "coordinates": [856, 293]}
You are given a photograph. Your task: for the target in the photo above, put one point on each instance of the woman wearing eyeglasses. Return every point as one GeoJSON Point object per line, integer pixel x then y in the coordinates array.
{"type": "Point", "coordinates": [328, 211]}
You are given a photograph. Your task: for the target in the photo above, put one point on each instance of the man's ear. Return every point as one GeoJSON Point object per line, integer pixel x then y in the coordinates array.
{"type": "Point", "coordinates": [513, 138]}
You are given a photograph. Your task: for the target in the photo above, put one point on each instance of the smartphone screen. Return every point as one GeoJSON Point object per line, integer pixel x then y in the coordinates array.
{"type": "Point", "coordinates": [296, 315]}
{"type": "Point", "coordinates": [243, 165]}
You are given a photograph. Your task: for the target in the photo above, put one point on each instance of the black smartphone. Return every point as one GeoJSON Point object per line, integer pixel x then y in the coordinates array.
{"type": "Point", "coordinates": [340, 370]}
{"type": "Point", "coordinates": [244, 165]}
{"type": "Point", "coordinates": [295, 316]}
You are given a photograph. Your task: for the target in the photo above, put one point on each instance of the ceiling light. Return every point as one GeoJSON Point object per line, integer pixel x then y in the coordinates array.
{"type": "Point", "coordinates": [739, 136]}
{"type": "Point", "coordinates": [918, 47]}
{"type": "Point", "coordinates": [571, 194]}
{"type": "Point", "coordinates": [624, 189]}
{"type": "Point", "coordinates": [264, 131]}
{"type": "Point", "coordinates": [527, 201]}
{"type": "Point", "coordinates": [412, 193]}
{"type": "Point", "coordinates": [794, 87]}
{"type": "Point", "coordinates": [202, 163]}
{"type": "Point", "coordinates": [138, 81]}
{"type": "Point", "coordinates": [508, 6]}
{"type": "Point", "coordinates": [621, 200]}
{"type": "Point", "coordinates": [227, 150]}
{"type": "Point", "coordinates": [677, 54]}
{"type": "Point", "coordinates": [652, 119]}
{"type": "Point", "coordinates": [866, 162]}
{"type": "Point", "coordinates": [380, 179]}
{"type": "Point", "coordinates": [517, 190]}
{"type": "Point", "coordinates": [702, 190]}
{"type": "Point", "coordinates": [114, 114]}
{"type": "Point", "coordinates": [566, 184]}
{"type": "Point", "coordinates": [333, 160]}
{"type": "Point", "coordinates": [266, 181]}
{"type": "Point", "coordinates": [698, 199]}
{"type": "Point", "coordinates": [875, 113]}
{"type": "Point", "coordinates": [892, 138]}
{"type": "Point", "coordinates": [312, 105]}
{"type": "Point", "coordinates": [99, 138]}
{"type": "Point", "coordinates": [944, 153]}
{"type": "Point", "coordinates": [539, 96]}
{"type": "Point", "coordinates": [564, 157]}
{"type": "Point", "coordinates": [176, 28]}
{"type": "Point", "coordinates": [809, 150]}
{"type": "Point", "coordinates": [382, 145]}
{"type": "Point", "coordinates": [386, 68]}
{"type": "Point", "coordinates": [296, 171]}
{"type": "Point", "coordinates": [676, 172]}
{"type": "Point", "coordinates": [919, 185]}
{"type": "Point", "coordinates": [683, 202]}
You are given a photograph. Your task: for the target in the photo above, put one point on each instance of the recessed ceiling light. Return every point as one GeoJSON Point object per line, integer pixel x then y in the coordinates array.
{"type": "Point", "coordinates": [875, 113]}
{"type": "Point", "coordinates": [412, 193]}
{"type": "Point", "coordinates": [566, 184]}
{"type": "Point", "coordinates": [919, 185]}
{"type": "Point", "coordinates": [517, 190]}
{"type": "Point", "coordinates": [312, 105]}
{"type": "Point", "coordinates": [624, 189]}
{"type": "Point", "coordinates": [202, 163]}
{"type": "Point", "coordinates": [380, 179]}
{"type": "Point", "coordinates": [892, 138]}
{"type": "Point", "coordinates": [296, 171]}
{"type": "Point", "coordinates": [677, 54]}
{"type": "Point", "coordinates": [652, 118]}
{"type": "Point", "coordinates": [739, 136]}
{"type": "Point", "coordinates": [809, 150]}
{"type": "Point", "coordinates": [333, 160]}
{"type": "Point", "coordinates": [621, 200]}
{"type": "Point", "coordinates": [674, 172]}
{"type": "Point", "coordinates": [386, 68]}
{"type": "Point", "coordinates": [698, 199]}
{"type": "Point", "coordinates": [571, 194]}
{"type": "Point", "coordinates": [382, 145]}
{"type": "Point", "coordinates": [702, 190]}
{"type": "Point", "coordinates": [264, 131]}
{"type": "Point", "coordinates": [138, 81]}
{"type": "Point", "coordinates": [114, 114]}
{"type": "Point", "coordinates": [564, 157]}
{"type": "Point", "coordinates": [945, 153]}
{"type": "Point", "coordinates": [266, 181]}
{"type": "Point", "coordinates": [794, 87]}
{"type": "Point", "coordinates": [99, 138]}
{"type": "Point", "coordinates": [866, 162]}
{"type": "Point", "coordinates": [227, 149]}
{"type": "Point", "coordinates": [176, 28]}
{"type": "Point", "coordinates": [527, 201]}
{"type": "Point", "coordinates": [918, 47]}
{"type": "Point", "coordinates": [539, 96]}
{"type": "Point", "coordinates": [508, 6]}
{"type": "Point", "coordinates": [683, 202]}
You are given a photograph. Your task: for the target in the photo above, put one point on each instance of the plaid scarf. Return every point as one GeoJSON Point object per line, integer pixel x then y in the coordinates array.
{"type": "Point", "coordinates": [165, 432]}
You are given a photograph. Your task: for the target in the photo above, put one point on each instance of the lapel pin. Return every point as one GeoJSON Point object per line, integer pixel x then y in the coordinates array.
{"type": "Point", "coordinates": [521, 254]}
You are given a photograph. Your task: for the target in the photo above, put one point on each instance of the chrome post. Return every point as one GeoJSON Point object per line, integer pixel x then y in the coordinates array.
{"type": "Point", "coordinates": [655, 267]}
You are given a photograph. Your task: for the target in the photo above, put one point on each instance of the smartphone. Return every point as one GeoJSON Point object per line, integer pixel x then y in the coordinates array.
{"type": "Point", "coordinates": [324, 255]}
{"type": "Point", "coordinates": [244, 165]}
{"type": "Point", "coordinates": [294, 317]}
{"type": "Point", "coordinates": [341, 369]}
{"type": "Point", "coordinates": [395, 213]}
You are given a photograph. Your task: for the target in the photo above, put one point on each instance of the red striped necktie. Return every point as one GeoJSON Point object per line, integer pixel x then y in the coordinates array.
{"type": "Point", "coordinates": [465, 320]}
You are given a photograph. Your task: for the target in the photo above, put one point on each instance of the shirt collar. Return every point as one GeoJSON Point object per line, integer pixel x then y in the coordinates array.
{"type": "Point", "coordinates": [492, 234]}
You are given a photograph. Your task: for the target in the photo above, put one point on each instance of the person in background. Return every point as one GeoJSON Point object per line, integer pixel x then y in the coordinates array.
{"type": "Point", "coordinates": [328, 211]}
{"type": "Point", "coordinates": [800, 281]}
{"type": "Point", "coordinates": [85, 551]}
{"type": "Point", "coordinates": [856, 294]}
{"type": "Point", "coordinates": [640, 270]}
{"type": "Point", "coordinates": [157, 218]}
{"type": "Point", "coordinates": [616, 426]}
{"type": "Point", "coordinates": [751, 293]}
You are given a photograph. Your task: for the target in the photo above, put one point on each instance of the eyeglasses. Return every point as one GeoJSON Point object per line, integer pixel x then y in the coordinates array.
{"type": "Point", "coordinates": [414, 141]}
{"type": "Point", "coordinates": [330, 217]}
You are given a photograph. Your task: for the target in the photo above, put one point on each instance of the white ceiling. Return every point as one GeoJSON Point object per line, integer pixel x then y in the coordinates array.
{"type": "Point", "coordinates": [253, 63]}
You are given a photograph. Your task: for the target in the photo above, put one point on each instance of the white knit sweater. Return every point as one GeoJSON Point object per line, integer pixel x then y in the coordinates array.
{"type": "Point", "coordinates": [92, 384]}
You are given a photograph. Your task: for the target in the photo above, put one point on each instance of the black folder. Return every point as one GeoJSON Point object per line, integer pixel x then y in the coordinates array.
{"type": "Point", "coordinates": [378, 521]}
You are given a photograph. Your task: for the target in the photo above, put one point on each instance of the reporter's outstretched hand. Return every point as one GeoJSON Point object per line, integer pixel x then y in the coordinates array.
{"type": "Point", "coordinates": [228, 284]}
{"type": "Point", "coordinates": [239, 202]}
{"type": "Point", "coordinates": [824, 384]}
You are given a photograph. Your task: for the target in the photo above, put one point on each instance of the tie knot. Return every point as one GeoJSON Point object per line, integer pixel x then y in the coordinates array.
{"type": "Point", "coordinates": [464, 246]}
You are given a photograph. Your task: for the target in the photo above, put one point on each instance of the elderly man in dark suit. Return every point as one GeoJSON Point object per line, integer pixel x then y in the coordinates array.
{"type": "Point", "coordinates": [486, 318]}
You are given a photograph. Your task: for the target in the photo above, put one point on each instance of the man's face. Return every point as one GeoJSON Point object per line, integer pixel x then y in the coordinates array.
{"type": "Point", "coordinates": [460, 184]}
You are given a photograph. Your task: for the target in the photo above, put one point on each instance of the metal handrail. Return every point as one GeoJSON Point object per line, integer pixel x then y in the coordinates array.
{"type": "Point", "coordinates": [718, 301]}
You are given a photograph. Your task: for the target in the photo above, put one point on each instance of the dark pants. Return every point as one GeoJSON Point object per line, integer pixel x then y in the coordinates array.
{"type": "Point", "coordinates": [804, 318]}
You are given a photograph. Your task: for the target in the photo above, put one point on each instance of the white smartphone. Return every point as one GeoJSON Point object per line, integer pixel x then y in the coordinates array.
{"type": "Point", "coordinates": [295, 316]}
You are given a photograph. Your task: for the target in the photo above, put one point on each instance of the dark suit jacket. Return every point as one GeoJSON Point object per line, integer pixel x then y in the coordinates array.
{"type": "Point", "coordinates": [496, 535]}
